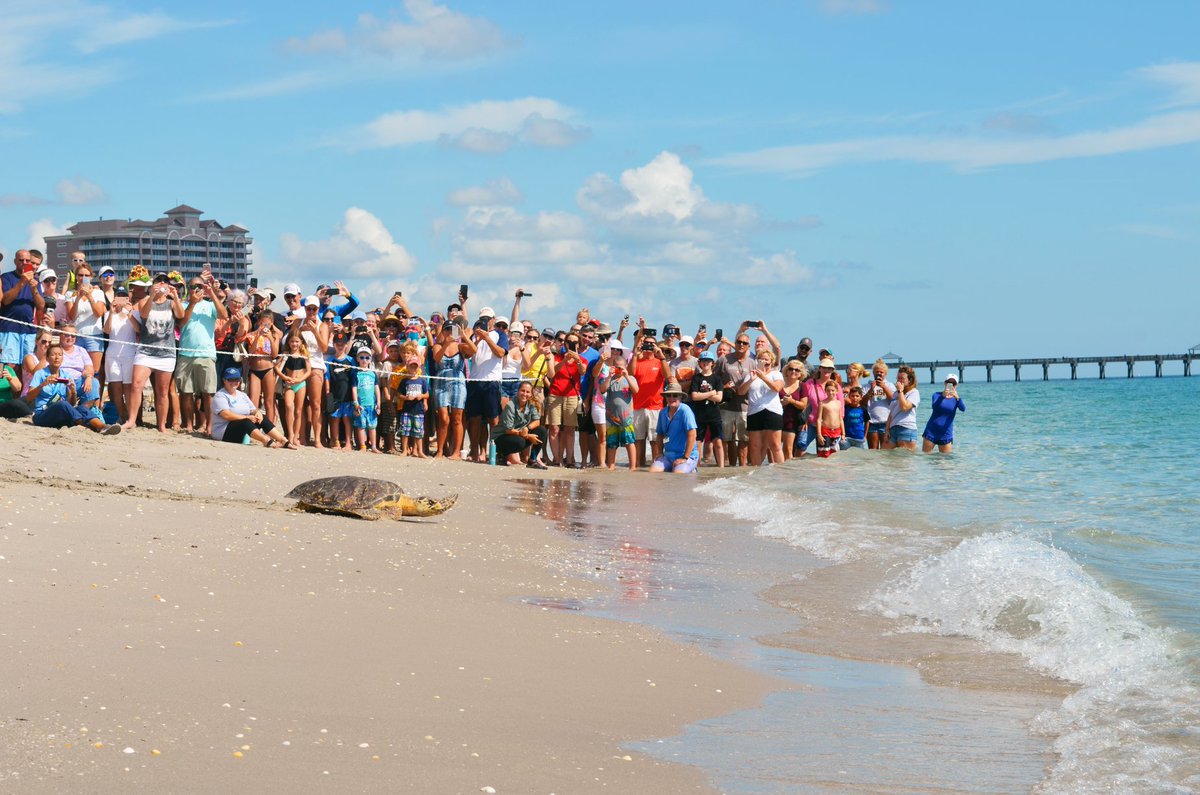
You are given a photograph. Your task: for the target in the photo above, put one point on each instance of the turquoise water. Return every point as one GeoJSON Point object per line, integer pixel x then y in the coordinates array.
{"type": "Point", "coordinates": [1064, 528]}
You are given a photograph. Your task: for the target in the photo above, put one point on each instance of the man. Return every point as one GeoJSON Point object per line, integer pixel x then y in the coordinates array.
{"type": "Point", "coordinates": [803, 349]}
{"type": "Point", "coordinates": [677, 429]}
{"type": "Point", "coordinates": [684, 364]}
{"type": "Point", "coordinates": [483, 388]}
{"type": "Point", "coordinates": [196, 366]}
{"type": "Point", "coordinates": [590, 353]}
{"type": "Point", "coordinates": [649, 369]}
{"type": "Point", "coordinates": [21, 299]}
{"type": "Point", "coordinates": [325, 292]}
{"type": "Point", "coordinates": [733, 370]}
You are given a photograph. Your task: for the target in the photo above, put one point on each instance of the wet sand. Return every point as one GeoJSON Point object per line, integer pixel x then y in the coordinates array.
{"type": "Point", "coordinates": [170, 625]}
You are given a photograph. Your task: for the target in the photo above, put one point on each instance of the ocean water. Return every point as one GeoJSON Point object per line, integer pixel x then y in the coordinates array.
{"type": "Point", "coordinates": [1063, 532]}
{"type": "Point", "coordinates": [1021, 615]}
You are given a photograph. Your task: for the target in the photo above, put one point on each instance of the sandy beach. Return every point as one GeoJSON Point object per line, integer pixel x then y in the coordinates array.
{"type": "Point", "coordinates": [171, 625]}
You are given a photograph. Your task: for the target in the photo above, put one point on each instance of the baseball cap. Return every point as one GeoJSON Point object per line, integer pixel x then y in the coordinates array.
{"type": "Point", "coordinates": [312, 300]}
{"type": "Point", "coordinates": [232, 374]}
{"type": "Point", "coordinates": [121, 290]}
{"type": "Point", "coordinates": [487, 311]}
{"type": "Point", "coordinates": [827, 362]}
{"type": "Point", "coordinates": [950, 377]}
{"type": "Point", "coordinates": [341, 336]}
{"type": "Point", "coordinates": [291, 289]}
{"type": "Point", "coordinates": [805, 342]}
{"type": "Point", "coordinates": [502, 322]}
{"type": "Point", "coordinates": [107, 269]}
{"type": "Point", "coordinates": [686, 340]}
{"type": "Point", "coordinates": [394, 344]}
{"type": "Point", "coordinates": [46, 273]}
{"type": "Point", "coordinates": [708, 356]}
{"type": "Point", "coordinates": [161, 276]}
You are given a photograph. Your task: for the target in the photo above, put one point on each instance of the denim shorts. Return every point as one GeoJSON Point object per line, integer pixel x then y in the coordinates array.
{"type": "Point", "coordinates": [877, 427]}
{"type": "Point", "coordinates": [847, 443]}
{"type": "Point", "coordinates": [899, 434]}
{"type": "Point", "coordinates": [90, 344]}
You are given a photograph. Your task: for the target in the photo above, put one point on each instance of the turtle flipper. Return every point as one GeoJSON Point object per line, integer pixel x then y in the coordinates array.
{"type": "Point", "coordinates": [425, 506]}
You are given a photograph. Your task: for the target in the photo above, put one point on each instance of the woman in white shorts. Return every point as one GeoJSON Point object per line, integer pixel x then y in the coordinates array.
{"type": "Point", "coordinates": [156, 315]}
{"type": "Point", "coordinates": [122, 333]}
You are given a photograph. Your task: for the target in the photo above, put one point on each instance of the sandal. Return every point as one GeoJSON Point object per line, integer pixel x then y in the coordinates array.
{"type": "Point", "coordinates": [536, 465]}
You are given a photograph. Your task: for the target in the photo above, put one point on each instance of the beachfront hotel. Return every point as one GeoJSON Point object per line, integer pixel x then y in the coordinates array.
{"type": "Point", "coordinates": [179, 241]}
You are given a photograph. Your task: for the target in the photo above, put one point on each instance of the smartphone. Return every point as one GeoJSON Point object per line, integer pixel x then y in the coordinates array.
{"type": "Point", "coordinates": [753, 324]}
{"type": "Point", "coordinates": [703, 327]}
{"type": "Point", "coordinates": [605, 350]}
{"type": "Point", "coordinates": [254, 282]}
{"type": "Point", "coordinates": [720, 334]}
{"type": "Point", "coordinates": [462, 291]}
{"type": "Point", "coordinates": [650, 332]}
{"type": "Point", "coordinates": [456, 331]}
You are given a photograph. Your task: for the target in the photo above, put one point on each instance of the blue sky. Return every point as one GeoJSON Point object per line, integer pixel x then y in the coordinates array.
{"type": "Point", "coordinates": [939, 180]}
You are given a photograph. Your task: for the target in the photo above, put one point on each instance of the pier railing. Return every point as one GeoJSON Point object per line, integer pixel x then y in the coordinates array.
{"type": "Point", "coordinates": [960, 365]}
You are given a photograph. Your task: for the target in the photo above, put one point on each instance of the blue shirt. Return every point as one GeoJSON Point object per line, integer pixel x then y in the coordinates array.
{"type": "Point", "coordinates": [941, 421]}
{"type": "Point", "coordinates": [20, 309]}
{"type": "Point", "coordinates": [855, 420]}
{"type": "Point", "coordinates": [674, 431]}
{"type": "Point", "coordinates": [50, 391]}
{"type": "Point", "coordinates": [590, 356]}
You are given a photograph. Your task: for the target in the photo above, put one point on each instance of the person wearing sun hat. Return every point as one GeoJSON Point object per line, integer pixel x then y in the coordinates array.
{"type": "Point", "coordinates": [677, 430]}
{"type": "Point", "coordinates": [939, 430]}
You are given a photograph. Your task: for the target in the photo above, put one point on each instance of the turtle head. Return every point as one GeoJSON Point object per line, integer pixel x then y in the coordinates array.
{"type": "Point", "coordinates": [427, 506]}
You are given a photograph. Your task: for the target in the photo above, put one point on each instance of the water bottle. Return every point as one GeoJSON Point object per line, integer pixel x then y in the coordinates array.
{"type": "Point", "coordinates": [491, 453]}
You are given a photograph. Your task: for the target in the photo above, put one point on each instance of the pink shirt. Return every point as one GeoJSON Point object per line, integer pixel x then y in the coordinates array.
{"type": "Point", "coordinates": [816, 394]}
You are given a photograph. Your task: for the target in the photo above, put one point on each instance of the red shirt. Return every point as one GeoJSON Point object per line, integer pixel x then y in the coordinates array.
{"type": "Point", "coordinates": [651, 375]}
{"type": "Point", "coordinates": [567, 376]}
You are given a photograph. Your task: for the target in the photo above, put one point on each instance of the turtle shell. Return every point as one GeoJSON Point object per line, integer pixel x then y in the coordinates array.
{"type": "Point", "coordinates": [349, 493]}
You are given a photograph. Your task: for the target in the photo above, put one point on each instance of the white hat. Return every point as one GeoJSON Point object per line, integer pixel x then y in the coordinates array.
{"type": "Point", "coordinates": [685, 339]}
{"type": "Point", "coordinates": [106, 269]}
{"type": "Point", "coordinates": [46, 273]}
{"type": "Point", "coordinates": [616, 345]}
{"type": "Point", "coordinates": [950, 377]}
{"type": "Point", "coordinates": [487, 311]}
{"type": "Point", "coordinates": [312, 300]}
{"type": "Point", "coordinates": [292, 289]}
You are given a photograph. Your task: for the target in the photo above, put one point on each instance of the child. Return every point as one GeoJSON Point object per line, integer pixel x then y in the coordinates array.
{"type": "Point", "coordinates": [364, 390]}
{"type": "Point", "coordinates": [414, 391]}
{"type": "Point", "coordinates": [341, 372]}
{"type": "Point", "coordinates": [293, 369]}
{"type": "Point", "coordinates": [829, 421]}
{"type": "Point", "coordinates": [854, 420]}
{"type": "Point", "coordinates": [389, 382]}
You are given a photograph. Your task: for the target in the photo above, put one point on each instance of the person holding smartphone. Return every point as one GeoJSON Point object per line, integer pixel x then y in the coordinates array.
{"type": "Point", "coordinates": [21, 299]}
{"type": "Point", "coordinates": [939, 430]}
{"type": "Point", "coordinates": [55, 395]}
{"type": "Point", "coordinates": [877, 395]}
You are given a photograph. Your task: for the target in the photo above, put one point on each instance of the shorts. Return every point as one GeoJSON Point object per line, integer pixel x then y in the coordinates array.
{"type": "Point", "coordinates": [162, 364]}
{"type": "Point", "coordinates": [848, 442]}
{"type": "Point", "coordinates": [939, 442]}
{"type": "Point", "coordinates": [90, 341]}
{"type": "Point", "coordinates": [509, 387]}
{"type": "Point", "coordinates": [645, 424]}
{"type": "Point", "coordinates": [733, 426]}
{"type": "Point", "coordinates": [764, 420]}
{"type": "Point", "coordinates": [194, 375]}
{"type": "Point", "coordinates": [343, 410]}
{"type": "Point", "coordinates": [586, 425]}
{"type": "Point", "coordinates": [15, 346]}
{"type": "Point", "coordinates": [709, 430]}
{"type": "Point", "coordinates": [619, 435]}
{"type": "Point", "coordinates": [483, 399]}
{"type": "Point", "coordinates": [599, 415]}
{"type": "Point", "coordinates": [687, 467]}
{"type": "Point", "coordinates": [411, 426]}
{"type": "Point", "coordinates": [118, 369]}
{"type": "Point", "coordinates": [899, 434]}
{"type": "Point", "coordinates": [563, 410]}
{"type": "Point", "coordinates": [367, 419]}
{"type": "Point", "coordinates": [804, 437]}
{"type": "Point", "coordinates": [451, 394]}
{"type": "Point", "coordinates": [877, 427]}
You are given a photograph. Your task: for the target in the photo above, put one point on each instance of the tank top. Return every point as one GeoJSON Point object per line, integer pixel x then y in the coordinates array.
{"type": "Point", "coordinates": [316, 356]}
{"type": "Point", "coordinates": [452, 366]}
{"type": "Point", "coordinates": [158, 332]}
{"type": "Point", "coordinates": [294, 364]}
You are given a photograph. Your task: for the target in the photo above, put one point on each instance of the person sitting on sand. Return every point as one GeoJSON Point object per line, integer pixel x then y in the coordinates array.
{"type": "Point", "coordinates": [677, 429]}
{"type": "Point", "coordinates": [11, 405]}
{"type": "Point", "coordinates": [55, 395]}
{"type": "Point", "coordinates": [519, 429]}
{"type": "Point", "coordinates": [234, 416]}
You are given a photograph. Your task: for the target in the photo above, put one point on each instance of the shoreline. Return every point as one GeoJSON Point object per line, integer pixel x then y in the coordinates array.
{"type": "Point", "coordinates": [166, 600]}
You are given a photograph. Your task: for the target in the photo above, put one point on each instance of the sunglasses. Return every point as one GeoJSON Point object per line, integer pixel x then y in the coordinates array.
{"type": "Point", "coordinates": [794, 370]}
{"type": "Point", "coordinates": [743, 342]}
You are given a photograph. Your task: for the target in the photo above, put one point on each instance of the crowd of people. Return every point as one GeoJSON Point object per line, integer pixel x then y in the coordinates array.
{"type": "Point", "coordinates": [309, 369]}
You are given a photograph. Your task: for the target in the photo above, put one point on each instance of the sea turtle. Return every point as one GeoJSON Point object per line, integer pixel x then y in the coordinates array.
{"type": "Point", "coordinates": [364, 498]}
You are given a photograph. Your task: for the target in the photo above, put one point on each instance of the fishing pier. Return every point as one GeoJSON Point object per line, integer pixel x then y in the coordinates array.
{"type": "Point", "coordinates": [960, 365]}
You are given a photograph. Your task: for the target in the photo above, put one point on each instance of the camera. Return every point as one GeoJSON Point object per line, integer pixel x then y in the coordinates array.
{"type": "Point", "coordinates": [648, 346]}
{"type": "Point", "coordinates": [753, 324]}
{"type": "Point", "coordinates": [650, 332]}
{"type": "Point", "coordinates": [670, 330]}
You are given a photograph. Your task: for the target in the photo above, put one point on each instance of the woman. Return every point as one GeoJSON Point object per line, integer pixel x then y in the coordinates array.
{"type": "Point", "coordinates": [514, 362]}
{"type": "Point", "coordinates": [85, 311]}
{"type": "Point", "coordinates": [795, 407]}
{"type": "Point", "coordinates": [54, 394]}
{"type": "Point", "coordinates": [565, 371]}
{"type": "Point", "coordinates": [229, 329]}
{"type": "Point", "coordinates": [122, 332]}
{"type": "Point", "coordinates": [154, 358]}
{"type": "Point", "coordinates": [292, 368]}
{"type": "Point", "coordinates": [519, 429]}
{"type": "Point", "coordinates": [618, 387]}
{"type": "Point", "coordinates": [262, 345]}
{"type": "Point", "coordinates": [599, 402]}
{"type": "Point", "coordinates": [235, 417]}
{"type": "Point", "coordinates": [11, 405]}
{"type": "Point", "coordinates": [34, 361]}
{"type": "Point", "coordinates": [939, 430]}
{"type": "Point", "coordinates": [764, 410]}
{"type": "Point", "coordinates": [902, 413]}
{"type": "Point", "coordinates": [78, 362]}
{"type": "Point", "coordinates": [316, 334]}
{"type": "Point", "coordinates": [450, 351]}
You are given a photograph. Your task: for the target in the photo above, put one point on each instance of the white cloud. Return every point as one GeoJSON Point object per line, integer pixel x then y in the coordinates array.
{"type": "Point", "coordinates": [497, 192]}
{"type": "Point", "coordinates": [287, 84]}
{"type": "Point", "coordinates": [1160, 231]}
{"type": "Point", "coordinates": [114, 30]}
{"type": "Point", "coordinates": [433, 33]}
{"type": "Point", "coordinates": [968, 152]}
{"type": "Point", "coordinates": [361, 247]}
{"type": "Point", "coordinates": [486, 126]}
{"type": "Point", "coordinates": [854, 6]}
{"type": "Point", "coordinates": [79, 191]}
{"type": "Point", "coordinates": [41, 229]}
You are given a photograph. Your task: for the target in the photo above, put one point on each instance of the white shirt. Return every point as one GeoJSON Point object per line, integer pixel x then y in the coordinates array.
{"type": "Point", "coordinates": [485, 365]}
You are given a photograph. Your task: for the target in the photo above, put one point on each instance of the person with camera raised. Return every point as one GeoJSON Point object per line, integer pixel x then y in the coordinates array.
{"type": "Point", "coordinates": [649, 369]}
{"type": "Point", "coordinates": [483, 390]}
{"type": "Point", "coordinates": [565, 370]}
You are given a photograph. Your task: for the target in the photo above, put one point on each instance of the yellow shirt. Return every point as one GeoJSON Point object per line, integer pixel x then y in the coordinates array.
{"type": "Point", "coordinates": [536, 374]}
